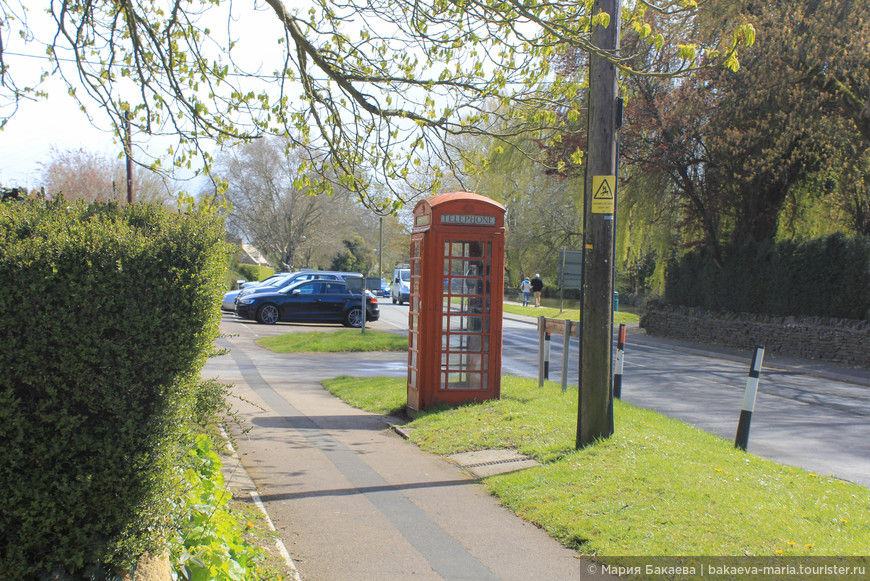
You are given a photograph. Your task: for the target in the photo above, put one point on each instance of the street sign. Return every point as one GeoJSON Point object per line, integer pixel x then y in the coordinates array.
{"type": "Point", "coordinates": [603, 197]}
{"type": "Point", "coordinates": [570, 268]}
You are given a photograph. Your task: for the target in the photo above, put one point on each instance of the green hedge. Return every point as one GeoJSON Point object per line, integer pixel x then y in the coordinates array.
{"type": "Point", "coordinates": [824, 277]}
{"type": "Point", "coordinates": [107, 315]}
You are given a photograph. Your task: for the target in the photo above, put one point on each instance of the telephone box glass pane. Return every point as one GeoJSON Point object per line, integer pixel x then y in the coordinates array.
{"type": "Point", "coordinates": [472, 286]}
{"type": "Point", "coordinates": [463, 380]}
{"type": "Point", "coordinates": [473, 267]}
{"type": "Point", "coordinates": [455, 342]}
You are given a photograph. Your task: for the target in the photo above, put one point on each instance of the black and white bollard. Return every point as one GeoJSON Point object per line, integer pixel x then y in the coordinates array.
{"type": "Point", "coordinates": [542, 360]}
{"type": "Point", "coordinates": [546, 356]}
{"type": "Point", "coordinates": [742, 439]}
{"type": "Point", "coordinates": [620, 357]}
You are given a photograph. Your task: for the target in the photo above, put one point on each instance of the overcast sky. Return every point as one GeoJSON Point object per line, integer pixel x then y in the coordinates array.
{"type": "Point", "coordinates": [37, 126]}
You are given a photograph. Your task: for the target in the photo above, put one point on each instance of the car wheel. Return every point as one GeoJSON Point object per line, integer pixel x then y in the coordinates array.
{"type": "Point", "coordinates": [353, 318]}
{"type": "Point", "coordinates": [267, 314]}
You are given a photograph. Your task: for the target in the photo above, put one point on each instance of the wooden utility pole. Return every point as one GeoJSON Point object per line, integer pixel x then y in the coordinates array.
{"type": "Point", "coordinates": [129, 151]}
{"type": "Point", "coordinates": [599, 207]}
{"type": "Point", "coordinates": [381, 249]}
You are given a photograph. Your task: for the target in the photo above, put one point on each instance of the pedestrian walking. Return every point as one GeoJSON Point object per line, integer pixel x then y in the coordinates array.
{"type": "Point", "coordinates": [526, 288]}
{"type": "Point", "coordinates": [537, 286]}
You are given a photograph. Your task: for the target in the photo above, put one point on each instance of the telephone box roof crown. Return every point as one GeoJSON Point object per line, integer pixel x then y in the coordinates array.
{"type": "Point", "coordinates": [458, 197]}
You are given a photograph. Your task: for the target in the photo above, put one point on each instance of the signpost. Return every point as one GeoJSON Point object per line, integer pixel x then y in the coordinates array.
{"type": "Point", "coordinates": [570, 272]}
{"type": "Point", "coordinates": [363, 284]}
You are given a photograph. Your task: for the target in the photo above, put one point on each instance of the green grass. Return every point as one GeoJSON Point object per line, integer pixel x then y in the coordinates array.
{"type": "Point", "coordinates": [382, 395]}
{"type": "Point", "coordinates": [343, 340]}
{"type": "Point", "coordinates": [571, 314]}
{"type": "Point", "coordinates": [656, 487]}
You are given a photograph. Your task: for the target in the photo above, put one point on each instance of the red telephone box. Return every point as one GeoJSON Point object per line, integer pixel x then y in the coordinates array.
{"type": "Point", "coordinates": [457, 283]}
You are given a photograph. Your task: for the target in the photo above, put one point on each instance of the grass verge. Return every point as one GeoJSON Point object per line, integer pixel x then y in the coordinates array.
{"type": "Point", "coordinates": [381, 395]}
{"type": "Point", "coordinates": [571, 314]}
{"type": "Point", "coordinates": [656, 487]}
{"type": "Point", "coordinates": [343, 340]}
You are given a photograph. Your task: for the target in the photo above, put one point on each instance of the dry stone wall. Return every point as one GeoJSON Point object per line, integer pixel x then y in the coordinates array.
{"type": "Point", "coordinates": [834, 340]}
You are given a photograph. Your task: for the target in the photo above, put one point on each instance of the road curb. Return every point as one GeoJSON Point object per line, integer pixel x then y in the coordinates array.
{"type": "Point", "coordinates": [236, 477]}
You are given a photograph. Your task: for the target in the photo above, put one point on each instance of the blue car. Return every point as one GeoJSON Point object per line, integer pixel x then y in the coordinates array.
{"type": "Point", "coordinates": [384, 291]}
{"type": "Point", "coordinates": [311, 301]}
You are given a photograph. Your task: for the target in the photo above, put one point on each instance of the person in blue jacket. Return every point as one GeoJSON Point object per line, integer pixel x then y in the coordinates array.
{"type": "Point", "coordinates": [526, 289]}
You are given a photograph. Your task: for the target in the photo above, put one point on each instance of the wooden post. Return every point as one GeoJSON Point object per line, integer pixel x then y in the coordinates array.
{"type": "Point", "coordinates": [129, 151]}
{"type": "Point", "coordinates": [593, 418]}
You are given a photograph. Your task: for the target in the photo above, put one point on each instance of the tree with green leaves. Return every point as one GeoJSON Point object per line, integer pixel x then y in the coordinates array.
{"type": "Point", "coordinates": [367, 90]}
{"type": "Point", "coordinates": [830, 54]}
{"type": "Point", "coordinates": [735, 146]}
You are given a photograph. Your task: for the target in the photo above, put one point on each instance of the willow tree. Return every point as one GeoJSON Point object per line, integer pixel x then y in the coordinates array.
{"type": "Point", "coordinates": [739, 148]}
{"type": "Point", "coordinates": [367, 90]}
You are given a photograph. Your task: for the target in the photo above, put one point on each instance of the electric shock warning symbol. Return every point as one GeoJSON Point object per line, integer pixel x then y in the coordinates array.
{"type": "Point", "coordinates": [603, 188]}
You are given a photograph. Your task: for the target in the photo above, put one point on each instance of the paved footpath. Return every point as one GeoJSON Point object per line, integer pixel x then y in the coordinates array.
{"type": "Point", "coordinates": [351, 499]}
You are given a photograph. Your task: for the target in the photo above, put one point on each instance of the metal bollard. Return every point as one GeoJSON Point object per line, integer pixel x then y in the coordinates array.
{"type": "Point", "coordinates": [566, 345]}
{"type": "Point", "coordinates": [620, 359]}
{"type": "Point", "coordinates": [546, 356]}
{"type": "Point", "coordinates": [742, 439]}
{"type": "Point", "coordinates": [541, 333]}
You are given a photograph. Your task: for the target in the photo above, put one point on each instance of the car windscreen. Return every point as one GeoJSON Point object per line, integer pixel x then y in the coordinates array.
{"type": "Point", "coordinates": [277, 281]}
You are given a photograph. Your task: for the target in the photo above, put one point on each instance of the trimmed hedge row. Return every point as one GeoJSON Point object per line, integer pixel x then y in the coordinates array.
{"type": "Point", "coordinates": [823, 277]}
{"type": "Point", "coordinates": [107, 315]}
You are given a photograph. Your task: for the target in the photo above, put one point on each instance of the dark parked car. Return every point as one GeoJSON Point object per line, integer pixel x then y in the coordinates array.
{"type": "Point", "coordinates": [315, 301]}
{"type": "Point", "coordinates": [287, 279]}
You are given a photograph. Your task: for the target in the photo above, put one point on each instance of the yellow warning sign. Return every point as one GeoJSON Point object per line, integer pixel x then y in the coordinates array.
{"type": "Point", "coordinates": [603, 194]}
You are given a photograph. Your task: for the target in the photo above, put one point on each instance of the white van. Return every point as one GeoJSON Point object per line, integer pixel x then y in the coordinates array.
{"type": "Point", "coordinates": [400, 284]}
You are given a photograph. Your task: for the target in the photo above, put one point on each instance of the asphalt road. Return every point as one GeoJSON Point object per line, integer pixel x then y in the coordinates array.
{"type": "Point", "coordinates": [807, 414]}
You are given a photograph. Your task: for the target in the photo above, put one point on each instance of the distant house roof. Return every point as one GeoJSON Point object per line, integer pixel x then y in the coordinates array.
{"type": "Point", "coordinates": [250, 255]}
